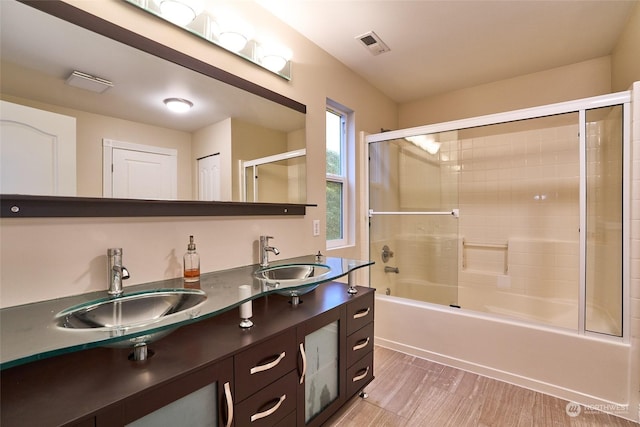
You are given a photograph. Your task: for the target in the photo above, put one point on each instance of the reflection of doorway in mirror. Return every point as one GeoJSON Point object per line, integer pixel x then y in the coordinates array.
{"type": "Point", "coordinates": [135, 171]}
{"type": "Point", "coordinates": [37, 151]}
{"type": "Point", "coordinates": [209, 178]}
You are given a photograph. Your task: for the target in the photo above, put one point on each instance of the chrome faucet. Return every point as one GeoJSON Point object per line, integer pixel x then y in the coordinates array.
{"type": "Point", "coordinates": [265, 249]}
{"type": "Point", "coordinates": [116, 271]}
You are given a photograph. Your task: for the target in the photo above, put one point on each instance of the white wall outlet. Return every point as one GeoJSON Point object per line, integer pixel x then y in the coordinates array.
{"type": "Point", "coordinates": [316, 227]}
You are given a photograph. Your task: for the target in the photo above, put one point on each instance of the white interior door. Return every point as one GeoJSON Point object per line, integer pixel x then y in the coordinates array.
{"type": "Point", "coordinates": [37, 151]}
{"type": "Point", "coordinates": [134, 171]}
{"type": "Point", "coordinates": [209, 178]}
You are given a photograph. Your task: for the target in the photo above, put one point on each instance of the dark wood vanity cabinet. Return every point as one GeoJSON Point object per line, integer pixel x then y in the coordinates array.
{"type": "Point", "coordinates": [359, 343]}
{"type": "Point", "coordinates": [202, 397]}
{"type": "Point", "coordinates": [295, 367]}
{"type": "Point", "coordinates": [266, 380]}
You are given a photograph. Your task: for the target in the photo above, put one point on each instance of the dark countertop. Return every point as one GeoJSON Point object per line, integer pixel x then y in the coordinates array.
{"type": "Point", "coordinates": [29, 332]}
{"type": "Point", "coordinates": [73, 386]}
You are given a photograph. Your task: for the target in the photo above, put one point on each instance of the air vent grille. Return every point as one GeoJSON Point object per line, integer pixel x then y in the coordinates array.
{"type": "Point", "coordinates": [373, 43]}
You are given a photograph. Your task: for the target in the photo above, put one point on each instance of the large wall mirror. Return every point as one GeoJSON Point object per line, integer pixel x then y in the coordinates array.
{"type": "Point", "coordinates": [232, 123]}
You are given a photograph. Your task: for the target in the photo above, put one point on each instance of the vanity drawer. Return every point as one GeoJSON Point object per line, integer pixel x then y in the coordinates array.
{"type": "Point", "coordinates": [269, 406]}
{"type": "Point", "coordinates": [264, 363]}
{"type": "Point", "coordinates": [360, 374]}
{"type": "Point", "coordinates": [359, 343]}
{"type": "Point", "coordinates": [359, 313]}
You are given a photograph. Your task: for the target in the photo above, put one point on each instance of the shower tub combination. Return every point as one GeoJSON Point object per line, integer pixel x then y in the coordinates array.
{"type": "Point", "coordinates": [505, 238]}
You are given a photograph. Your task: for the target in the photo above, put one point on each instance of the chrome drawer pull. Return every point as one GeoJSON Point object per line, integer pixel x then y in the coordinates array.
{"type": "Point", "coordinates": [362, 313]}
{"type": "Point", "coordinates": [359, 377]}
{"type": "Point", "coordinates": [304, 362]}
{"type": "Point", "coordinates": [363, 344]}
{"type": "Point", "coordinates": [267, 366]}
{"type": "Point", "coordinates": [229, 399]}
{"type": "Point", "coordinates": [269, 411]}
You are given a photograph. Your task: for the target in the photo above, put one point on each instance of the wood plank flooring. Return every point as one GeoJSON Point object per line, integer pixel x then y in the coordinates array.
{"type": "Point", "coordinates": [409, 391]}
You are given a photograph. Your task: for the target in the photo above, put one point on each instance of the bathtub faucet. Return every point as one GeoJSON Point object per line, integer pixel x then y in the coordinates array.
{"type": "Point", "coordinates": [388, 269]}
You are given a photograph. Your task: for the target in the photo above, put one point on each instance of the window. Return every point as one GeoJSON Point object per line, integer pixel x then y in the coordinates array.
{"type": "Point", "coordinates": [337, 180]}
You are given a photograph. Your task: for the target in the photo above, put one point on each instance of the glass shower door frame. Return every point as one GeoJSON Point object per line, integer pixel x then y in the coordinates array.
{"type": "Point", "coordinates": [580, 106]}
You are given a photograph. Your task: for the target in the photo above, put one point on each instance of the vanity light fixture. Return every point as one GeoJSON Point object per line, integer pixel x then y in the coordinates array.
{"type": "Point", "coordinates": [221, 25]}
{"type": "Point", "coordinates": [88, 82]}
{"type": "Point", "coordinates": [180, 12]}
{"type": "Point", "coordinates": [178, 105]}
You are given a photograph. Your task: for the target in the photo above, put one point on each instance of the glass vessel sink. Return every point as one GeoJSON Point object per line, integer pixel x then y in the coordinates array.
{"type": "Point", "coordinates": [294, 275]}
{"type": "Point", "coordinates": [34, 331]}
{"type": "Point", "coordinates": [120, 313]}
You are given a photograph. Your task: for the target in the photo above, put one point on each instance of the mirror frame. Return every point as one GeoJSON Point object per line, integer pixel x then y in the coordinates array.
{"type": "Point", "coordinates": [25, 206]}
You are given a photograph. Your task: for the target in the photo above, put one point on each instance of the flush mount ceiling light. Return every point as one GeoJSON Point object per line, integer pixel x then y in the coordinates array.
{"type": "Point", "coordinates": [178, 105]}
{"type": "Point", "coordinates": [88, 82]}
{"type": "Point", "coordinates": [426, 142]}
{"type": "Point", "coordinates": [180, 12]}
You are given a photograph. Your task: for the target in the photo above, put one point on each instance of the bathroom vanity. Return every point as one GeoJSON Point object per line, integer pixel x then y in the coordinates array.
{"type": "Point", "coordinates": [297, 366]}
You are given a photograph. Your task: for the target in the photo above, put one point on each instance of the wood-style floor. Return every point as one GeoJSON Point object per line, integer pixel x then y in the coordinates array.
{"type": "Point", "coordinates": [409, 391]}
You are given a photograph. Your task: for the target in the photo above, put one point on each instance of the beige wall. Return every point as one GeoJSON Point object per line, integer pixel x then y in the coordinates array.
{"type": "Point", "coordinates": [253, 142]}
{"type": "Point", "coordinates": [625, 59]}
{"type": "Point", "coordinates": [581, 80]}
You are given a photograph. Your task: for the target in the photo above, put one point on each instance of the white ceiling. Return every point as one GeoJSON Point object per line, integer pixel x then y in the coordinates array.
{"type": "Point", "coordinates": [440, 46]}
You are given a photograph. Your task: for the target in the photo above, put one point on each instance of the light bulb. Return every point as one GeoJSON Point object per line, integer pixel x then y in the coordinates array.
{"type": "Point", "coordinates": [180, 12]}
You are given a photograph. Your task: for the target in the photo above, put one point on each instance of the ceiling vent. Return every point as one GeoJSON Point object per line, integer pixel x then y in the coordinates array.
{"type": "Point", "coordinates": [88, 82]}
{"type": "Point", "coordinates": [373, 43]}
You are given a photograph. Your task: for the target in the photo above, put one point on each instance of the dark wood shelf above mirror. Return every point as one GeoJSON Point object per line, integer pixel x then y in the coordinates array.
{"type": "Point", "coordinates": [21, 206]}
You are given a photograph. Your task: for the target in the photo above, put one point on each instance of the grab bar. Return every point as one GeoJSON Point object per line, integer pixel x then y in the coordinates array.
{"type": "Point", "coordinates": [453, 212]}
{"type": "Point", "coordinates": [486, 245]}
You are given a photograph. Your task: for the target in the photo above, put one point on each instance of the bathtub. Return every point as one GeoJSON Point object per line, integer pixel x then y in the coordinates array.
{"type": "Point", "coordinates": [579, 368]}
{"type": "Point", "coordinates": [558, 312]}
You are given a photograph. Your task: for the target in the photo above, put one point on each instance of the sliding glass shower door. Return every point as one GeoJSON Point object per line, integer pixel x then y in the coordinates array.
{"type": "Point", "coordinates": [413, 217]}
{"type": "Point", "coordinates": [522, 215]}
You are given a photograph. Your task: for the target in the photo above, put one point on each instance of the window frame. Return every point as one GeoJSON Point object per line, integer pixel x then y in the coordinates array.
{"type": "Point", "coordinates": [342, 178]}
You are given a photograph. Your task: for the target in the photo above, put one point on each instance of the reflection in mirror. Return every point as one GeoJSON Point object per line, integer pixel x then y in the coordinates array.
{"type": "Point", "coordinates": [225, 123]}
{"type": "Point", "coordinates": [262, 177]}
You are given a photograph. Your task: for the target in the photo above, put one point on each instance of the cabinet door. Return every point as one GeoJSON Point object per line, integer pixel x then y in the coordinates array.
{"type": "Point", "coordinates": [202, 398]}
{"type": "Point", "coordinates": [323, 367]}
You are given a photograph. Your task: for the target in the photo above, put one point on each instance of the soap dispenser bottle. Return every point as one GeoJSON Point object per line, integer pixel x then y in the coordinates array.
{"type": "Point", "coordinates": [191, 263]}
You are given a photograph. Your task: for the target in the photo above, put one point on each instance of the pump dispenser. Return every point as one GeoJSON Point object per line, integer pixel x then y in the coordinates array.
{"type": "Point", "coordinates": [191, 263]}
